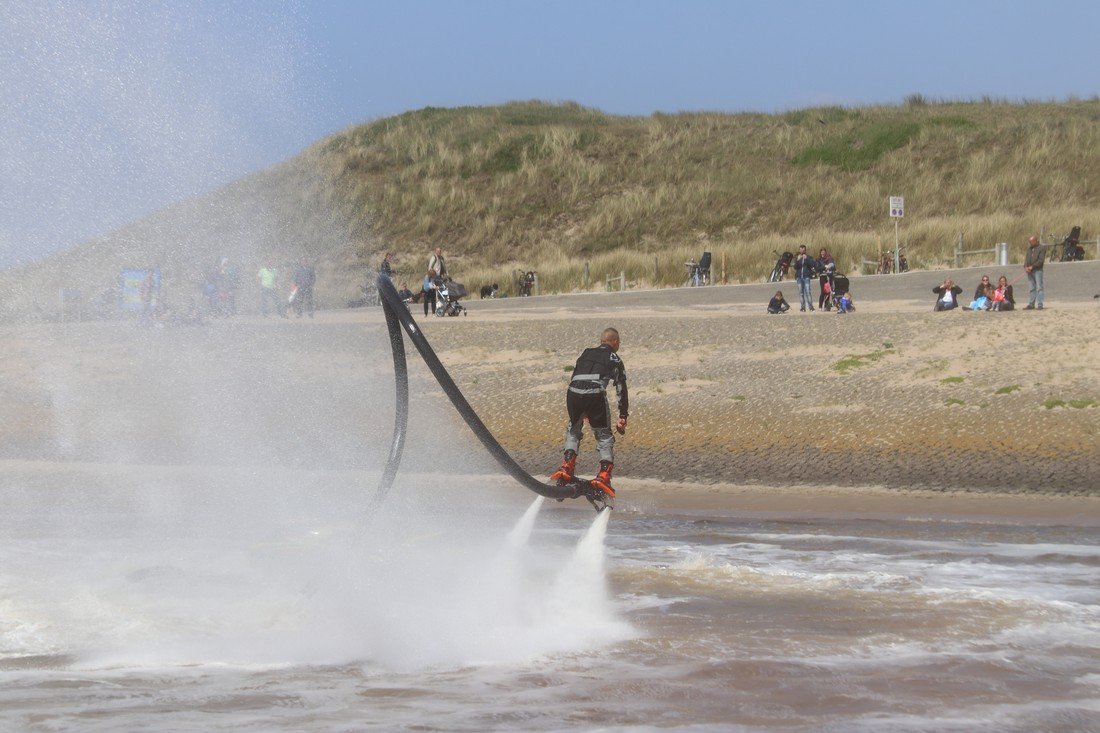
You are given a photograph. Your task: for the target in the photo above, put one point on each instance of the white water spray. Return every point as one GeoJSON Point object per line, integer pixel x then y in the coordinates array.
{"type": "Point", "coordinates": [521, 533]}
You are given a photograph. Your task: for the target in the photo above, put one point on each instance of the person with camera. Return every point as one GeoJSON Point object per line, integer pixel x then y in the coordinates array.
{"type": "Point", "coordinates": [947, 295]}
{"type": "Point", "coordinates": [805, 267]}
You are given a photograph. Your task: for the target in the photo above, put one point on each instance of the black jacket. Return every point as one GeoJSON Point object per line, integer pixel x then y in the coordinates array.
{"type": "Point", "coordinates": [956, 291]}
{"type": "Point", "coordinates": [595, 370]}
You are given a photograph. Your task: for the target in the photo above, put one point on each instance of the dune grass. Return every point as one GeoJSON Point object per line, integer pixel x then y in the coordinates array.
{"type": "Point", "coordinates": [565, 190]}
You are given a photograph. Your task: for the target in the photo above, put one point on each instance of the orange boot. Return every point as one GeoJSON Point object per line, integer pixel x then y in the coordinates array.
{"type": "Point", "coordinates": [568, 465]}
{"type": "Point", "coordinates": [603, 478]}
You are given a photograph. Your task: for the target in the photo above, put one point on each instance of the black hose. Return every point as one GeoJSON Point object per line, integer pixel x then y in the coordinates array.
{"type": "Point", "coordinates": [397, 313]}
{"type": "Point", "coordinates": [401, 405]}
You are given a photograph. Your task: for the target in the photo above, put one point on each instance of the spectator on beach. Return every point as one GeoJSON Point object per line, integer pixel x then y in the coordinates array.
{"type": "Point", "coordinates": [804, 269]}
{"type": "Point", "coordinates": [304, 279]}
{"type": "Point", "coordinates": [228, 280]}
{"type": "Point", "coordinates": [948, 295]}
{"type": "Point", "coordinates": [778, 304]}
{"type": "Point", "coordinates": [844, 303]}
{"type": "Point", "coordinates": [1002, 295]}
{"type": "Point", "coordinates": [596, 369]}
{"type": "Point", "coordinates": [386, 268]}
{"type": "Point", "coordinates": [148, 296]}
{"type": "Point", "coordinates": [826, 266]}
{"type": "Point", "coordinates": [405, 294]}
{"type": "Point", "coordinates": [983, 295]}
{"type": "Point", "coordinates": [1033, 266]}
{"type": "Point", "coordinates": [210, 291]}
{"type": "Point", "coordinates": [269, 291]}
{"type": "Point", "coordinates": [428, 289]}
{"type": "Point", "coordinates": [437, 263]}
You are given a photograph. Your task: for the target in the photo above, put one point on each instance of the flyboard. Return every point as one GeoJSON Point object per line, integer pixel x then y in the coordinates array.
{"type": "Point", "coordinates": [398, 318]}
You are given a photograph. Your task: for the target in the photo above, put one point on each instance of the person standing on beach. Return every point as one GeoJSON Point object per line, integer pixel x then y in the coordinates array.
{"type": "Point", "coordinates": [268, 277]}
{"type": "Point", "coordinates": [1033, 266]}
{"type": "Point", "coordinates": [437, 263]}
{"type": "Point", "coordinates": [304, 279]}
{"type": "Point", "coordinates": [825, 269]}
{"type": "Point", "coordinates": [428, 289]}
{"type": "Point", "coordinates": [804, 268]}
{"type": "Point", "coordinates": [386, 268]}
{"type": "Point", "coordinates": [586, 399]}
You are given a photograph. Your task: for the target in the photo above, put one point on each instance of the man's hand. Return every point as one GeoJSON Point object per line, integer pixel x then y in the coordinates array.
{"type": "Point", "coordinates": [621, 426]}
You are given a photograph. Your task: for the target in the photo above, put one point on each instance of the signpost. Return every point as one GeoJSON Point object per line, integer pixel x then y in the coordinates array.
{"type": "Point", "coordinates": [897, 211]}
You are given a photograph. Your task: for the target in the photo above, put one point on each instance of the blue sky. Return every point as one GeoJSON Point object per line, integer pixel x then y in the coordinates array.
{"type": "Point", "coordinates": [112, 110]}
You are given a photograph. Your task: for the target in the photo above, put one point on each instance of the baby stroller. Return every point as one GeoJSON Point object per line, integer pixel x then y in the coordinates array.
{"type": "Point", "coordinates": [837, 285]}
{"type": "Point", "coordinates": [448, 292]}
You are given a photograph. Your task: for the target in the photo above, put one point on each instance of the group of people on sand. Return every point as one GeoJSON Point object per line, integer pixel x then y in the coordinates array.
{"type": "Point", "coordinates": [779, 304]}
{"type": "Point", "coordinates": [435, 280]}
{"type": "Point", "coordinates": [806, 268]}
{"type": "Point", "coordinates": [299, 296]}
{"type": "Point", "coordinates": [987, 296]}
{"type": "Point", "coordinates": [999, 297]}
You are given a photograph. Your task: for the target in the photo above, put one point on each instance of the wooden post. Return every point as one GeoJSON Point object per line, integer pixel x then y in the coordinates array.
{"type": "Point", "coordinates": [724, 280]}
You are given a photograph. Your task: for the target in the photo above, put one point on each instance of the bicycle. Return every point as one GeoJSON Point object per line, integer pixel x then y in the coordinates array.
{"type": "Point", "coordinates": [885, 264]}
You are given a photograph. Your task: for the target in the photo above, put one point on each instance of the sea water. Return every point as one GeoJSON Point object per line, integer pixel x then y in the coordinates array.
{"type": "Point", "coordinates": [166, 610]}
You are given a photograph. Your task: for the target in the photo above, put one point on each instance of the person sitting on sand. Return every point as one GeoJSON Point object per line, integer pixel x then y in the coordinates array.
{"type": "Point", "coordinates": [778, 304]}
{"type": "Point", "coordinates": [844, 305]}
{"type": "Point", "coordinates": [1002, 296]}
{"type": "Point", "coordinates": [983, 295]}
{"type": "Point", "coordinates": [948, 294]}
{"type": "Point", "coordinates": [405, 294]}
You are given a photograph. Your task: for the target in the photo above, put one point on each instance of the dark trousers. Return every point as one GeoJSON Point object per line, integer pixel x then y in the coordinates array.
{"type": "Point", "coordinates": [595, 408]}
{"type": "Point", "coordinates": [304, 301]}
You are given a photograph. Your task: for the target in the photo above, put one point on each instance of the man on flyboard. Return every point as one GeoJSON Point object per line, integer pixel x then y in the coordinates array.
{"type": "Point", "coordinates": [586, 399]}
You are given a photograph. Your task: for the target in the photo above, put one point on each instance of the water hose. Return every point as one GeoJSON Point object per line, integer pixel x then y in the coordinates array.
{"type": "Point", "coordinates": [398, 317]}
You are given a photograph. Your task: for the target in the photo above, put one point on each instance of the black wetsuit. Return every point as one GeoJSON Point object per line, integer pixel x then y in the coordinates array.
{"type": "Point", "coordinates": [596, 369]}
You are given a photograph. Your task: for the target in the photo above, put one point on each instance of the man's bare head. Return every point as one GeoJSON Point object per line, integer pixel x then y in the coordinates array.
{"type": "Point", "coordinates": [610, 336]}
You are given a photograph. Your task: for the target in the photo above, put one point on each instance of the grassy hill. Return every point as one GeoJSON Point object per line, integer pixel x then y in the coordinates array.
{"type": "Point", "coordinates": [554, 187]}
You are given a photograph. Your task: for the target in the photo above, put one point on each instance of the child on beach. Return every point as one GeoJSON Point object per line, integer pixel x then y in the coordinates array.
{"type": "Point", "coordinates": [778, 304]}
{"type": "Point", "coordinates": [586, 399]}
{"type": "Point", "coordinates": [844, 305]}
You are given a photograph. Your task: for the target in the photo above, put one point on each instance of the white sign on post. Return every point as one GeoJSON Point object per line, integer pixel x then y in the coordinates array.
{"type": "Point", "coordinates": [897, 206]}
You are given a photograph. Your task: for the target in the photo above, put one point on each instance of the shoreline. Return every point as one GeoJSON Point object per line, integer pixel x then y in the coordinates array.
{"type": "Point", "coordinates": [802, 502]}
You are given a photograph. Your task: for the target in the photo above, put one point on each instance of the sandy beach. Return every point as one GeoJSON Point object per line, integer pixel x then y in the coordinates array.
{"type": "Point", "coordinates": [893, 403]}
